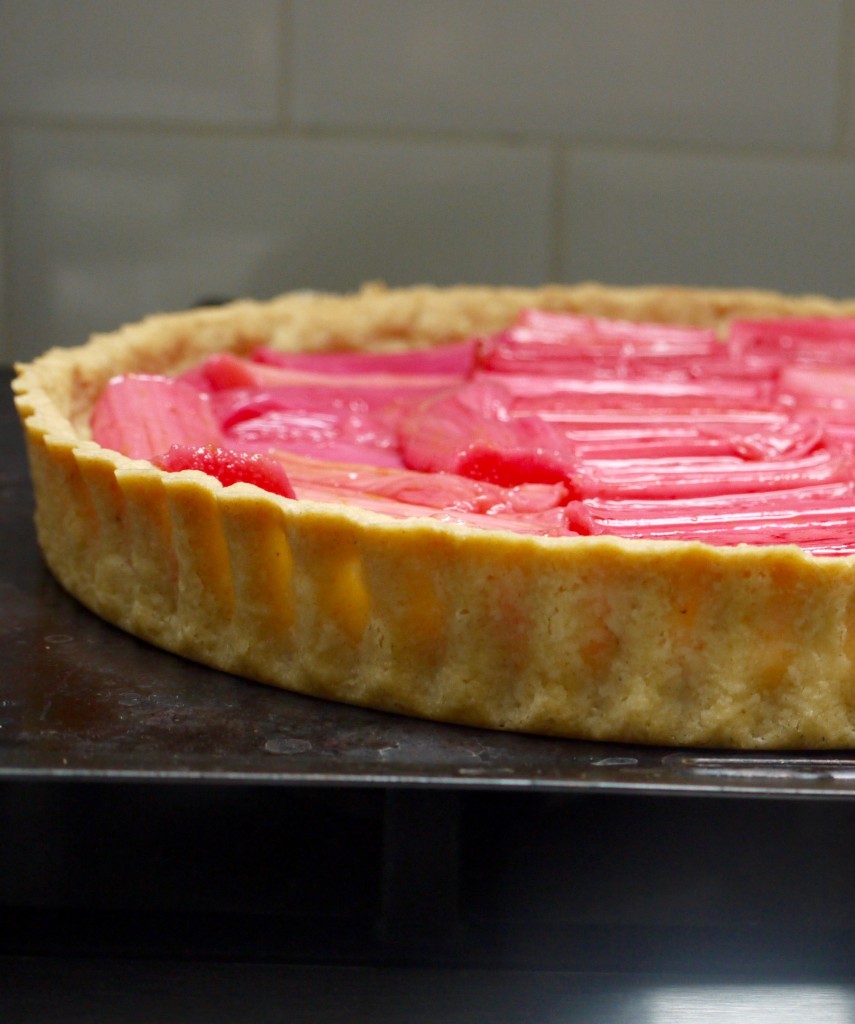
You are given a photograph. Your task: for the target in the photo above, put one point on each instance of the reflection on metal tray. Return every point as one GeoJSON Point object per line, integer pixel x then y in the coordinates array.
{"type": "Point", "coordinates": [80, 699]}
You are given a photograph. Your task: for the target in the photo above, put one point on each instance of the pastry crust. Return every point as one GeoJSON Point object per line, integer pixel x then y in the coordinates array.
{"type": "Point", "coordinates": [674, 643]}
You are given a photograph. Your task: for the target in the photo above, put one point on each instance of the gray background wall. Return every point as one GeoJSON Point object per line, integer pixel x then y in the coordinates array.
{"type": "Point", "coordinates": [156, 152]}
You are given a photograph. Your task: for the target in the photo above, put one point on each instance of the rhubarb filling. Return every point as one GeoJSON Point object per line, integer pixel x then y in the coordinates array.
{"type": "Point", "coordinates": [559, 425]}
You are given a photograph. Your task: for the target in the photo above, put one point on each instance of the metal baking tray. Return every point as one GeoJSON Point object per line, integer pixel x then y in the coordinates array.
{"type": "Point", "coordinates": [79, 700]}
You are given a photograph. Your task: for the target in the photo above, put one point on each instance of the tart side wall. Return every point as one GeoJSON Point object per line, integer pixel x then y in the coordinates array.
{"type": "Point", "coordinates": [592, 639]}
{"type": "Point", "coordinates": [596, 638]}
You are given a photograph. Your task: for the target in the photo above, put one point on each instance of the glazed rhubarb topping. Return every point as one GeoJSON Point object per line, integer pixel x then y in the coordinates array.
{"type": "Point", "coordinates": [558, 425]}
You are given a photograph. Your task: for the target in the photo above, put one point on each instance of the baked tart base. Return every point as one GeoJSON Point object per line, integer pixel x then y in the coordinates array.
{"type": "Point", "coordinates": [600, 638]}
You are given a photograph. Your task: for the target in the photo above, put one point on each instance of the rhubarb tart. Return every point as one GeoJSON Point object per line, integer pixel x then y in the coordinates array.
{"type": "Point", "coordinates": [590, 512]}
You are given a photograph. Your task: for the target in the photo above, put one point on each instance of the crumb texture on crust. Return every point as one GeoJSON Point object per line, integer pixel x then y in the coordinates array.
{"type": "Point", "coordinates": [597, 638]}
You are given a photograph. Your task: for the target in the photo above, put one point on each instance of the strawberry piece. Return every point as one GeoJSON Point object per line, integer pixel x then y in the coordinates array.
{"type": "Point", "coordinates": [511, 466]}
{"type": "Point", "coordinates": [229, 467]}
{"type": "Point", "coordinates": [140, 415]}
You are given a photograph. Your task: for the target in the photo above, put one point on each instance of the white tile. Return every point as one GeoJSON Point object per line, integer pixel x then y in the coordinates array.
{"type": "Point", "coordinates": [211, 60]}
{"type": "Point", "coordinates": [106, 227]}
{"type": "Point", "coordinates": [637, 218]}
{"type": "Point", "coordinates": [731, 71]}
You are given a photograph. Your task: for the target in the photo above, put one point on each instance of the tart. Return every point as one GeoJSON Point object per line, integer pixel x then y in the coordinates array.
{"type": "Point", "coordinates": [581, 633]}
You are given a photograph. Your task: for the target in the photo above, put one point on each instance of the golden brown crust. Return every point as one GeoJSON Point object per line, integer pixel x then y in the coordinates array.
{"type": "Point", "coordinates": [601, 638]}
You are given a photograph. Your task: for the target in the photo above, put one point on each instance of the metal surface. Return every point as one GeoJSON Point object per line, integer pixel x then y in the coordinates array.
{"type": "Point", "coordinates": [82, 700]}
{"type": "Point", "coordinates": [55, 991]}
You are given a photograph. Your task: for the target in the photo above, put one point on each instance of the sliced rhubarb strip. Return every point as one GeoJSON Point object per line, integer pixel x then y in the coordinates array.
{"type": "Point", "coordinates": [647, 338]}
{"type": "Point", "coordinates": [433, 435]}
{"type": "Point", "coordinates": [827, 391]}
{"type": "Point", "coordinates": [325, 451]}
{"type": "Point", "coordinates": [723, 507]}
{"type": "Point", "coordinates": [334, 423]}
{"type": "Point", "coordinates": [657, 432]}
{"type": "Point", "coordinates": [604, 365]}
{"type": "Point", "coordinates": [552, 343]}
{"type": "Point", "coordinates": [141, 415]}
{"type": "Point", "coordinates": [656, 422]}
{"type": "Point", "coordinates": [837, 494]}
{"type": "Point", "coordinates": [690, 446]}
{"type": "Point", "coordinates": [455, 360]}
{"type": "Point", "coordinates": [802, 515]}
{"type": "Point", "coordinates": [840, 434]}
{"type": "Point", "coordinates": [469, 432]}
{"type": "Point", "coordinates": [238, 404]}
{"type": "Point", "coordinates": [516, 352]}
{"type": "Point", "coordinates": [551, 522]}
{"type": "Point", "coordinates": [792, 439]}
{"type": "Point", "coordinates": [750, 434]}
{"type": "Point", "coordinates": [221, 371]}
{"type": "Point", "coordinates": [829, 340]}
{"type": "Point", "coordinates": [834, 535]}
{"type": "Point", "coordinates": [575, 346]}
{"type": "Point", "coordinates": [451, 491]}
{"type": "Point", "coordinates": [226, 370]}
{"type": "Point", "coordinates": [680, 478]}
{"type": "Point", "coordinates": [784, 438]}
{"type": "Point", "coordinates": [327, 420]}
{"type": "Point", "coordinates": [434, 490]}
{"type": "Point", "coordinates": [229, 467]}
{"type": "Point", "coordinates": [338, 434]}
{"type": "Point", "coordinates": [534, 395]}
{"type": "Point", "coordinates": [839, 528]}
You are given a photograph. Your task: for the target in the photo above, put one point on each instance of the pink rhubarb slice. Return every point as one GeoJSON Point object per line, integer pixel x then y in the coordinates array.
{"type": "Point", "coordinates": [816, 517]}
{"type": "Point", "coordinates": [542, 340]}
{"type": "Point", "coordinates": [452, 361]}
{"type": "Point", "coordinates": [698, 477]}
{"type": "Point", "coordinates": [436, 490]}
{"type": "Point", "coordinates": [817, 340]}
{"type": "Point", "coordinates": [141, 415]}
{"type": "Point", "coordinates": [470, 432]}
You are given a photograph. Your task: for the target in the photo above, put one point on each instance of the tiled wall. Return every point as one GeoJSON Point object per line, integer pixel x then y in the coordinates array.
{"type": "Point", "coordinates": [154, 153]}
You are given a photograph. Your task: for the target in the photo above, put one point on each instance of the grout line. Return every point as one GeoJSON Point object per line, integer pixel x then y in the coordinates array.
{"type": "Point", "coordinates": [238, 130]}
{"type": "Point", "coordinates": [568, 240]}
{"type": "Point", "coordinates": [6, 353]}
{"type": "Point", "coordinates": [287, 48]}
{"type": "Point", "coordinates": [558, 213]}
{"type": "Point", "coordinates": [845, 77]}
